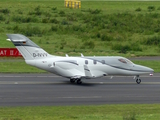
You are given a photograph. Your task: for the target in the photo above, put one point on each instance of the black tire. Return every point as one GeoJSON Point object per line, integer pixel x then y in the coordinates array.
{"type": "Point", "coordinates": [79, 82]}
{"type": "Point", "coordinates": [138, 81]}
{"type": "Point", "coordinates": [72, 80]}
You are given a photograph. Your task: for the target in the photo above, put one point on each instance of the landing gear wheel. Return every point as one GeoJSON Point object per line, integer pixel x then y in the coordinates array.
{"type": "Point", "coordinates": [72, 80]}
{"type": "Point", "coordinates": [79, 82]}
{"type": "Point", "coordinates": [138, 81]}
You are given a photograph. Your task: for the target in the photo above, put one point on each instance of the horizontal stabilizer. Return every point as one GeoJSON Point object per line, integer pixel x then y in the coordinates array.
{"type": "Point", "coordinates": [21, 40]}
{"type": "Point", "coordinates": [17, 38]}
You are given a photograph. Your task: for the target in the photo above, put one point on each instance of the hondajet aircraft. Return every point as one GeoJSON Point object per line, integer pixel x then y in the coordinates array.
{"type": "Point", "coordinates": [76, 68]}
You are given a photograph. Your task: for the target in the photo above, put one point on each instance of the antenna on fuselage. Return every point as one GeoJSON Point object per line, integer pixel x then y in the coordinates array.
{"type": "Point", "coordinates": [82, 55]}
{"type": "Point", "coordinates": [67, 55]}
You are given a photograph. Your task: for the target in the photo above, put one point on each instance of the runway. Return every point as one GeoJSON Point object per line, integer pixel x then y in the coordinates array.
{"type": "Point", "coordinates": [52, 90]}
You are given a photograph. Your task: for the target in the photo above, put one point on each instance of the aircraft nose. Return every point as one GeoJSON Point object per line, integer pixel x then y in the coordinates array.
{"type": "Point", "coordinates": [144, 69]}
{"type": "Point", "coordinates": [149, 69]}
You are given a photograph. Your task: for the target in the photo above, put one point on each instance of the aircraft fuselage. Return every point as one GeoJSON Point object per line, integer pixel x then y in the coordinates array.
{"type": "Point", "coordinates": [89, 67]}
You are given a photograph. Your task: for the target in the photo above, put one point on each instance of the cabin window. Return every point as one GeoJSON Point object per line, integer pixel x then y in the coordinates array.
{"type": "Point", "coordinates": [86, 61]}
{"type": "Point", "coordinates": [94, 62]}
{"type": "Point", "coordinates": [103, 61]}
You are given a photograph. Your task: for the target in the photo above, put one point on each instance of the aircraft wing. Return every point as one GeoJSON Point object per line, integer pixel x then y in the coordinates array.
{"type": "Point", "coordinates": [93, 72]}
{"type": "Point", "coordinates": [68, 68]}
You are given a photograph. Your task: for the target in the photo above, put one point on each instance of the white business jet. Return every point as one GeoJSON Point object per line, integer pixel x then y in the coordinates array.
{"type": "Point", "coordinates": [76, 68]}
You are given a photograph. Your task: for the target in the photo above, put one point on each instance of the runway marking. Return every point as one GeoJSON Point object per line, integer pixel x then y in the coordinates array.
{"type": "Point", "coordinates": [16, 83]}
{"type": "Point", "coordinates": [81, 97]}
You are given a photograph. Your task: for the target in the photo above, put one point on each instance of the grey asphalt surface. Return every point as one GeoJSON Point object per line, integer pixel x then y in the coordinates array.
{"type": "Point", "coordinates": [51, 90]}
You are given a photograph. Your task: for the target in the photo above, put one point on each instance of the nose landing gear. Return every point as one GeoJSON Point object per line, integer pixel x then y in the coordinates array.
{"type": "Point", "coordinates": [138, 80]}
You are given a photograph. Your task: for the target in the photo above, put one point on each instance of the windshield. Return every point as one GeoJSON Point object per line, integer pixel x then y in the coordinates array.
{"type": "Point", "coordinates": [125, 61]}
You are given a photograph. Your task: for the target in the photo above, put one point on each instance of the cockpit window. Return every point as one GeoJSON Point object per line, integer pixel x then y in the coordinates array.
{"type": "Point", "coordinates": [126, 61]}
{"type": "Point", "coordinates": [122, 60]}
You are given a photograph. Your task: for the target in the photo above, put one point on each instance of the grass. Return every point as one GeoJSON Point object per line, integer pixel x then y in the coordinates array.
{"type": "Point", "coordinates": [18, 66]}
{"type": "Point", "coordinates": [119, 28]}
{"type": "Point", "coordinates": [99, 28]}
{"type": "Point", "coordinates": [101, 112]}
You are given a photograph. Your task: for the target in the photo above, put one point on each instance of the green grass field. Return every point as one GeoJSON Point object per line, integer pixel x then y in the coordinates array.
{"type": "Point", "coordinates": [97, 112]}
{"type": "Point", "coordinates": [121, 28]}
{"type": "Point", "coordinates": [98, 28]}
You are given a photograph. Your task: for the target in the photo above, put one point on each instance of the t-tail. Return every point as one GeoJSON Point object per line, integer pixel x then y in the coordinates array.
{"type": "Point", "coordinates": [28, 49]}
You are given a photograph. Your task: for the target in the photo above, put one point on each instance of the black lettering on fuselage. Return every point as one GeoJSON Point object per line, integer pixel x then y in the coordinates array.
{"type": "Point", "coordinates": [40, 54]}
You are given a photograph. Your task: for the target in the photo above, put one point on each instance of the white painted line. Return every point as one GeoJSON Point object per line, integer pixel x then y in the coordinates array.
{"type": "Point", "coordinates": [16, 83]}
{"type": "Point", "coordinates": [82, 97]}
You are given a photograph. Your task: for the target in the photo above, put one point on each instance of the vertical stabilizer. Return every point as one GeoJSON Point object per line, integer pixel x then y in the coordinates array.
{"type": "Point", "coordinates": [27, 48]}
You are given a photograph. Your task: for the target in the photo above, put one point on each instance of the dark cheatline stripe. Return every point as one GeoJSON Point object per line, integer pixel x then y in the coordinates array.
{"type": "Point", "coordinates": [86, 69]}
{"type": "Point", "coordinates": [72, 62]}
{"type": "Point", "coordinates": [128, 69]}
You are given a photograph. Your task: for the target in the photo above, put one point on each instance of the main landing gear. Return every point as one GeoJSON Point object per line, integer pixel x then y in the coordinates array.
{"type": "Point", "coordinates": [138, 80]}
{"type": "Point", "coordinates": [78, 80]}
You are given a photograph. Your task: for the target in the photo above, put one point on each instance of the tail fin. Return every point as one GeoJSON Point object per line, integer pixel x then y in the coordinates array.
{"type": "Point", "coordinates": [27, 48]}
